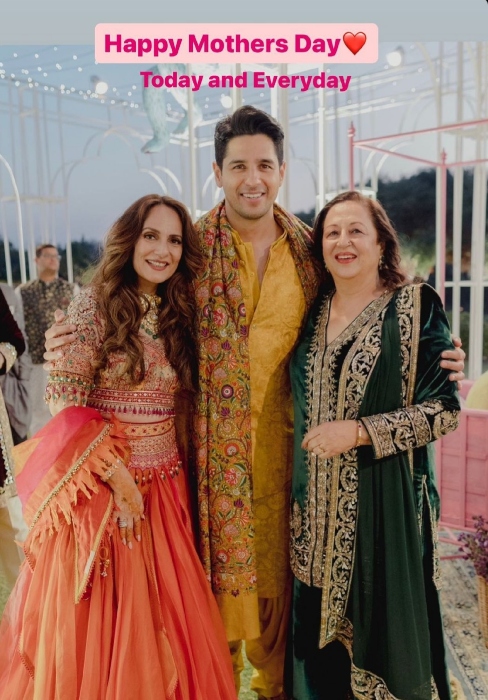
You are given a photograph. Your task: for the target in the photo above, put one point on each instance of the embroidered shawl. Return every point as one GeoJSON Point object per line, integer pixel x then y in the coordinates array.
{"type": "Point", "coordinates": [223, 420]}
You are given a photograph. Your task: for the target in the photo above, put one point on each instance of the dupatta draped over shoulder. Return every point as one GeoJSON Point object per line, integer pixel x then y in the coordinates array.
{"type": "Point", "coordinates": [363, 524]}
{"type": "Point", "coordinates": [223, 423]}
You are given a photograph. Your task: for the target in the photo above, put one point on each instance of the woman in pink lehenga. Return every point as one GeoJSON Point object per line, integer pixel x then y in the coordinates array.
{"type": "Point", "coordinates": [113, 603]}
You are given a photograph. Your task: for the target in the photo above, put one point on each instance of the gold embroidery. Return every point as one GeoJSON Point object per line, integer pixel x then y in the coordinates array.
{"type": "Point", "coordinates": [409, 427]}
{"type": "Point", "coordinates": [436, 569]}
{"type": "Point", "coordinates": [132, 402]}
{"type": "Point", "coordinates": [309, 526]}
{"type": "Point", "coordinates": [444, 422]}
{"type": "Point", "coordinates": [151, 452]}
{"type": "Point", "coordinates": [150, 305]}
{"type": "Point", "coordinates": [337, 543]}
{"type": "Point", "coordinates": [368, 686]}
{"type": "Point", "coordinates": [81, 585]}
{"type": "Point", "coordinates": [72, 377]}
{"type": "Point", "coordinates": [69, 475]}
{"type": "Point", "coordinates": [7, 490]}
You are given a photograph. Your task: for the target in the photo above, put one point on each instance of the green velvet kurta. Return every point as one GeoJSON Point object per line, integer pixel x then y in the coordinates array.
{"type": "Point", "coordinates": [363, 524]}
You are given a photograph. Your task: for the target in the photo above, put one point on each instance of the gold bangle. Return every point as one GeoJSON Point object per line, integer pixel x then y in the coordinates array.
{"type": "Point", "coordinates": [359, 435]}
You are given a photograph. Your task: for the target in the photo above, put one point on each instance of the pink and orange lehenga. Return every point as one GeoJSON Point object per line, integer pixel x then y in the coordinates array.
{"type": "Point", "coordinates": [90, 619]}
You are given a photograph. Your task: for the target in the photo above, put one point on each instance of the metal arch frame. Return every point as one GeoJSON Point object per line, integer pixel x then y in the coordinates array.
{"type": "Point", "coordinates": [478, 223]}
{"type": "Point", "coordinates": [23, 275]}
{"type": "Point", "coordinates": [86, 159]}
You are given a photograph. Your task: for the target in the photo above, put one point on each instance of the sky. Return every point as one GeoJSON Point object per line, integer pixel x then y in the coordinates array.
{"type": "Point", "coordinates": [77, 158]}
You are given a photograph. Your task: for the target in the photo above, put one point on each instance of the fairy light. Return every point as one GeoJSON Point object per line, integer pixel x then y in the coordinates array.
{"type": "Point", "coordinates": [97, 90]}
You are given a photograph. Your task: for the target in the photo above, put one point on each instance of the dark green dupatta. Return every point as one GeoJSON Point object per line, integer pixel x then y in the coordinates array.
{"type": "Point", "coordinates": [393, 603]}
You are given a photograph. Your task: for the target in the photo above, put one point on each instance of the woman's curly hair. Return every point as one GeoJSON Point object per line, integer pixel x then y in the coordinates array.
{"type": "Point", "coordinates": [116, 286]}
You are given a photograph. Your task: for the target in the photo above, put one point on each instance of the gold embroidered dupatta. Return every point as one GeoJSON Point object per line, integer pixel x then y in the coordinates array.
{"type": "Point", "coordinates": [223, 421]}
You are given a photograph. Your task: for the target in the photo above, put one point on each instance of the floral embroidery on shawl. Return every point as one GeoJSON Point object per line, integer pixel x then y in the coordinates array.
{"type": "Point", "coordinates": [223, 425]}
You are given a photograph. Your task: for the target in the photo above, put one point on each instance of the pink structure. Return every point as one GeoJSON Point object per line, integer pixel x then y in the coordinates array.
{"type": "Point", "coordinates": [462, 469]}
{"type": "Point", "coordinates": [442, 165]}
{"type": "Point", "coordinates": [462, 456]}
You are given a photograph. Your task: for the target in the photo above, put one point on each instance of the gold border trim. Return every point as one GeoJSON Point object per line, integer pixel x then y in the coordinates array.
{"type": "Point", "coordinates": [69, 475]}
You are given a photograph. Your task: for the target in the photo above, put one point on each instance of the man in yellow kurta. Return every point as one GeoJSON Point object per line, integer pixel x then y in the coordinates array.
{"type": "Point", "coordinates": [258, 284]}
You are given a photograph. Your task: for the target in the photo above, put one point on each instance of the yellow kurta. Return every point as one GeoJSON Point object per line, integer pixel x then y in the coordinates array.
{"type": "Point", "coordinates": [274, 314]}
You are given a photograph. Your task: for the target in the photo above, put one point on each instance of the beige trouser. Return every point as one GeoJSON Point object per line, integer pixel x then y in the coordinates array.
{"type": "Point", "coordinates": [266, 654]}
{"type": "Point", "coordinates": [37, 389]}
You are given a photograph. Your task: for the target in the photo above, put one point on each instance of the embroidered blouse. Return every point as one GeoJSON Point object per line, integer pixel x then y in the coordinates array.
{"type": "Point", "coordinates": [72, 379]}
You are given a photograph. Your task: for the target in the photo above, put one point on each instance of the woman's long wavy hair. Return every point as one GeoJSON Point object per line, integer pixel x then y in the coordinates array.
{"type": "Point", "coordinates": [116, 284]}
{"type": "Point", "coordinates": [391, 272]}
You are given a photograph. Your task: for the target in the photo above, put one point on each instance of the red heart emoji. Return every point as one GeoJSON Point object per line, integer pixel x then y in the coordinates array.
{"type": "Point", "coordinates": [354, 42]}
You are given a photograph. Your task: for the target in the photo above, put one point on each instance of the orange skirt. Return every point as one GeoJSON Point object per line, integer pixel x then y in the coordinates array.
{"type": "Point", "coordinates": [147, 625]}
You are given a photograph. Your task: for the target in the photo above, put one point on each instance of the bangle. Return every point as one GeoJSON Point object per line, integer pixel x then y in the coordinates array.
{"type": "Point", "coordinates": [359, 434]}
{"type": "Point", "coordinates": [112, 468]}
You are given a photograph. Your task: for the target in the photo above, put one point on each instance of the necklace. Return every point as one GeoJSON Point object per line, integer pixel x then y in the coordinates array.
{"type": "Point", "coordinates": [150, 305]}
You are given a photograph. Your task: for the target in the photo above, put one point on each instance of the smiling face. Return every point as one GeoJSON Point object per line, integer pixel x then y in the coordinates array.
{"type": "Point", "coordinates": [350, 243]}
{"type": "Point", "coordinates": [158, 249]}
{"type": "Point", "coordinates": [250, 177]}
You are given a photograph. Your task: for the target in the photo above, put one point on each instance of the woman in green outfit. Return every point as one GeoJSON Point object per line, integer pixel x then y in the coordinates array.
{"type": "Point", "coordinates": [369, 396]}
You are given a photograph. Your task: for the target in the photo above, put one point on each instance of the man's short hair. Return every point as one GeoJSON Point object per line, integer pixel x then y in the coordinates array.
{"type": "Point", "coordinates": [42, 247]}
{"type": "Point", "coordinates": [247, 121]}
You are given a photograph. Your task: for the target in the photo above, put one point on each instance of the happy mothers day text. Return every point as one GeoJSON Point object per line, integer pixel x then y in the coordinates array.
{"type": "Point", "coordinates": [171, 47]}
{"type": "Point", "coordinates": [236, 43]}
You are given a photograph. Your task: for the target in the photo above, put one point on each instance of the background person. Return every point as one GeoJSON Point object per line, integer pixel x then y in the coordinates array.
{"type": "Point", "coordinates": [40, 298]}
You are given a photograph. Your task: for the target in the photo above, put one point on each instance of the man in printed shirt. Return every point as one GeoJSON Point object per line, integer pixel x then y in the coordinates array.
{"type": "Point", "coordinates": [258, 283]}
{"type": "Point", "coordinates": [40, 298]}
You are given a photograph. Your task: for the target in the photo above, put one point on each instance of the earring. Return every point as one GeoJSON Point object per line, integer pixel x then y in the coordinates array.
{"type": "Point", "coordinates": [381, 263]}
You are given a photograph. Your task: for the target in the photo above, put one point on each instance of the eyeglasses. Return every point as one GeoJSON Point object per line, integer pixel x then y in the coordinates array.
{"type": "Point", "coordinates": [51, 256]}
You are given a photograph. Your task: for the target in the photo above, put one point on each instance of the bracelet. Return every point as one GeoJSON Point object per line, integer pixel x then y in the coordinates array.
{"type": "Point", "coordinates": [360, 434]}
{"type": "Point", "coordinates": [112, 468]}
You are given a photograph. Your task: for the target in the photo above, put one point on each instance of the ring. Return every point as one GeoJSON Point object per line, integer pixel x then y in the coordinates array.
{"type": "Point", "coordinates": [122, 523]}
